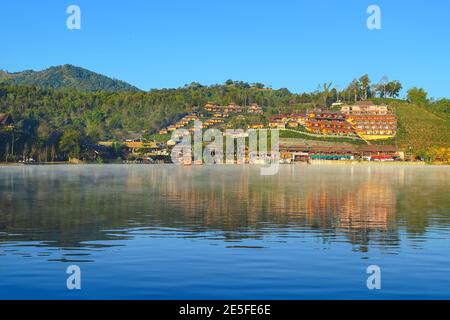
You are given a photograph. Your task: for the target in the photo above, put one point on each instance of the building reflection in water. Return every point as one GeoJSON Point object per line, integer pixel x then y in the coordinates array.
{"type": "Point", "coordinates": [360, 205]}
{"type": "Point", "coordinates": [232, 200]}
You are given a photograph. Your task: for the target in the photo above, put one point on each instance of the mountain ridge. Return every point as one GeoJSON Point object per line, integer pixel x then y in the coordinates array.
{"type": "Point", "coordinates": [67, 77]}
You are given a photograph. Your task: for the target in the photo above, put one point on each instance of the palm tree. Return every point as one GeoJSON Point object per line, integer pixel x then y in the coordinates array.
{"type": "Point", "coordinates": [325, 92]}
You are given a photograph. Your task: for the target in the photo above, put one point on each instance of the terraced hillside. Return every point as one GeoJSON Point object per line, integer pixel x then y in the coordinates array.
{"type": "Point", "coordinates": [420, 128]}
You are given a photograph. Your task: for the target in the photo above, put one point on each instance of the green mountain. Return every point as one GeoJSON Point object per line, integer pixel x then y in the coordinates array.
{"type": "Point", "coordinates": [66, 76]}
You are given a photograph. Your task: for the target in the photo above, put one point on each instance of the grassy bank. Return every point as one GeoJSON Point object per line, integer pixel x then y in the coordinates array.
{"type": "Point", "coordinates": [420, 128]}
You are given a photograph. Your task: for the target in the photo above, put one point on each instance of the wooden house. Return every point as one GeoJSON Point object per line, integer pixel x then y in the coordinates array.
{"type": "Point", "coordinates": [6, 121]}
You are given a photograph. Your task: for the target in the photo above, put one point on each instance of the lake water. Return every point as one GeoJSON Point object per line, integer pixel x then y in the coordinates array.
{"type": "Point", "coordinates": [225, 232]}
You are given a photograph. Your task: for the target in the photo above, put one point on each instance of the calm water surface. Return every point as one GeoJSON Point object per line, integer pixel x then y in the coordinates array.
{"type": "Point", "coordinates": [168, 232]}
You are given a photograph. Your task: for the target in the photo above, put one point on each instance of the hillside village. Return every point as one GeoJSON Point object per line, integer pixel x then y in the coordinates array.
{"type": "Point", "coordinates": [362, 131]}
{"type": "Point", "coordinates": [358, 125]}
{"type": "Point", "coordinates": [47, 118]}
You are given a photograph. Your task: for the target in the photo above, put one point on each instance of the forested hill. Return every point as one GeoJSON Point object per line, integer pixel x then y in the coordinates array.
{"type": "Point", "coordinates": [114, 114]}
{"type": "Point", "coordinates": [64, 77]}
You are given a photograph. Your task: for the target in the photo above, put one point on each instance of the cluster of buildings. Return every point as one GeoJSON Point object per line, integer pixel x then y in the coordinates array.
{"type": "Point", "coordinates": [305, 153]}
{"type": "Point", "coordinates": [283, 121]}
{"type": "Point", "coordinates": [328, 122]}
{"type": "Point", "coordinates": [372, 127]}
{"type": "Point", "coordinates": [371, 121]}
{"type": "Point", "coordinates": [368, 121]}
{"type": "Point", "coordinates": [224, 111]}
{"type": "Point", "coordinates": [363, 120]}
{"type": "Point", "coordinates": [215, 115]}
{"type": "Point", "coordinates": [314, 153]}
{"type": "Point", "coordinates": [183, 122]}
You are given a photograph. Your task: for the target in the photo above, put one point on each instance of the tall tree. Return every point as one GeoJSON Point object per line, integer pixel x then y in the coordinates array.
{"type": "Point", "coordinates": [71, 143]}
{"type": "Point", "coordinates": [365, 86]}
{"type": "Point", "coordinates": [381, 86]}
{"type": "Point", "coordinates": [353, 89]}
{"type": "Point", "coordinates": [418, 96]}
{"type": "Point", "coordinates": [393, 88]}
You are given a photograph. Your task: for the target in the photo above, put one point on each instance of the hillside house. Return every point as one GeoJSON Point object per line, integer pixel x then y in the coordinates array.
{"type": "Point", "coordinates": [278, 121]}
{"type": "Point", "coordinates": [256, 126]}
{"type": "Point", "coordinates": [255, 109]}
{"type": "Point", "coordinates": [299, 118]}
{"type": "Point", "coordinates": [6, 121]}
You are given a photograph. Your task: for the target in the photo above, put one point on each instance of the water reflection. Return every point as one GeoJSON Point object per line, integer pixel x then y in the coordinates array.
{"type": "Point", "coordinates": [91, 207]}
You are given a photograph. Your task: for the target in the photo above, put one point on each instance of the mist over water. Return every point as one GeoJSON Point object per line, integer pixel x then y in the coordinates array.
{"type": "Point", "coordinates": [224, 232]}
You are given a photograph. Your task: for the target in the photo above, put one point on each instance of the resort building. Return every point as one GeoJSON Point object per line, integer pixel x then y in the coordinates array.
{"type": "Point", "coordinates": [330, 127]}
{"type": "Point", "coordinates": [278, 121]}
{"type": "Point", "coordinates": [281, 121]}
{"type": "Point", "coordinates": [191, 117]}
{"type": "Point", "coordinates": [328, 122]}
{"type": "Point", "coordinates": [277, 125]}
{"type": "Point", "coordinates": [372, 127]}
{"type": "Point", "coordinates": [220, 115]}
{"type": "Point", "coordinates": [256, 126]}
{"type": "Point", "coordinates": [211, 107]}
{"type": "Point", "coordinates": [231, 108]}
{"type": "Point", "coordinates": [321, 114]}
{"type": "Point", "coordinates": [213, 121]}
{"type": "Point", "coordinates": [305, 152]}
{"type": "Point", "coordinates": [365, 108]}
{"type": "Point", "coordinates": [338, 152]}
{"type": "Point", "coordinates": [299, 118]}
{"type": "Point", "coordinates": [255, 109]}
{"type": "Point", "coordinates": [181, 123]}
{"type": "Point", "coordinates": [378, 152]}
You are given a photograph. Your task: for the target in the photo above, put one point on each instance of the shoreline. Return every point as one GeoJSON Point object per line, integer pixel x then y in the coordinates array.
{"type": "Point", "coordinates": [313, 163]}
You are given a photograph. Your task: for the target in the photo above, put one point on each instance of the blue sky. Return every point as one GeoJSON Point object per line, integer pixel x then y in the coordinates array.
{"type": "Point", "coordinates": [295, 44]}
